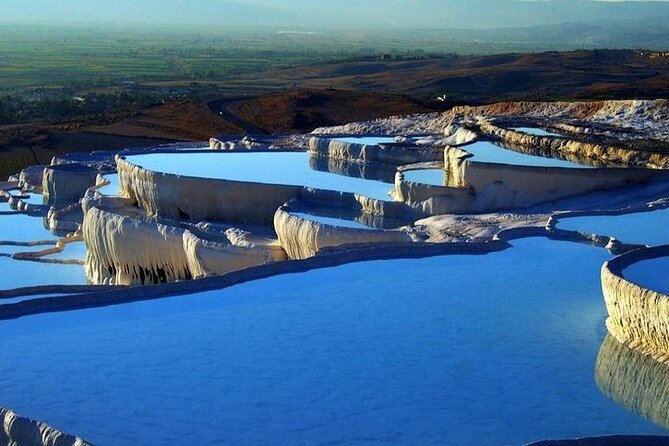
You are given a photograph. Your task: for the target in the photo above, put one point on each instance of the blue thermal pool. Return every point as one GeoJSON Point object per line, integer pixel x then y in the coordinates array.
{"type": "Point", "coordinates": [13, 249]}
{"type": "Point", "coordinates": [418, 351]}
{"type": "Point", "coordinates": [368, 140]}
{"type": "Point", "coordinates": [434, 177]}
{"type": "Point", "coordinates": [34, 199]}
{"type": "Point", "coordinates": [643, 228]}
{"type": "Point", "coordinates": [72, 251]}
{"type": "Point", "coordinates": [488, 152]}
{"type": "Point", "coordinates": [651, 273]}
{"type": "Point", "coordinates": [25, 273]}
{"type": "Point", "coordinates": [341, 222]}
{"type": "Point", "coordinates": [113, 188]}
{"type": "Point", "coordinates": [23, 228]}
{"type": "Point", "coordinates": [536, 131]}
{"type": "Point", "coordinates": [291, 168]}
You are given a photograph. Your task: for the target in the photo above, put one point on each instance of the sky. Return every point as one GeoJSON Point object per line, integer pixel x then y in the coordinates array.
{"type": "Point", "coordinates": [333, 13]}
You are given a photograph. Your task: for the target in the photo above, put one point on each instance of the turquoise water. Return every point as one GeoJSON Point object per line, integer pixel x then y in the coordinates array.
{"type": "Point", "coordinates": [368, 140]}
{"type": "Point", "coordinates": [331, 220]}
{"type": "Point", "coordinates": [34, 199]}
{"type": "Point", "coordinates": [23, 273]}
{"type": "Point", "coordinates": [651, 273]}
{"type": "Point", "coordinates": [113, 187]}
{"type": "Point", "coordinates": [13, 249]}
{"type": "Point", "coordinates": [291, 168]}
{"type": "Point", "coordinates": [435, 177]}
{"type": "Point", "coordinates": [485, 151]}
{"type": "Point", "coordinates": [644, 228]}
{"type": "Point", "coordinates": [536, 131]}
{"type": "Point", "coordinates": [23, 228]}
{"type": "Point", "coordinates": [72, 251]}
{"type": "Point", "coordinates": [384, 352]}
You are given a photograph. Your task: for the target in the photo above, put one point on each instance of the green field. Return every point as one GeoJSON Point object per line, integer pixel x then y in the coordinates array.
{"type": "Point", "coordinates": [41, 56]}
{"type": "Point", "coordinates": [50, 72]}
{"type": "Point", "coordinates": [48, 57]}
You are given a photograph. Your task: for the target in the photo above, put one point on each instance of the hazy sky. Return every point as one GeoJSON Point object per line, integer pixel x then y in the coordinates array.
{"type": "Point", "coordinates": [334, 13]}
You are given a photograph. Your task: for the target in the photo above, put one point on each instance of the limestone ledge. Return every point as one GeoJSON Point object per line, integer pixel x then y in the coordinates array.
{"type": "Point", "coordinates": [502, 186]}
{"type": "Point", "coordinates": [637, 315]}
{"type": "Point", "coordinates": [245, 143]}
{"type": "Point", "coordinates": [183, 197]}
{"type": "Point", "coordinates": [633, 380]}
{"type": "Point", "coordinates": [458, 135]}
{"type": "Point", "coordinates": [67, 182]}
{"type": "Point", "coordinates": [58, 246]}
{"type": "Point", "coordinates": [125, 250]}
{"type": "Point", "coordinates": [22, 431]}
{"type": "Point", "coordinates": [303, 238]}
{"type": "Point", "coordinates": [578, 150]}
{"type": "Point", "coordinates": [61, 220]}
{"type": "Point", "coordinates": [31, 178]}
{"type": "Point", "coordinates": [650, 117]}
{"type": "Point", "coordinates": [392, 154]}
{"type": "Point", "coordinates": [428, 199]}
{"type": "Point", "coordinates": [360, 203]}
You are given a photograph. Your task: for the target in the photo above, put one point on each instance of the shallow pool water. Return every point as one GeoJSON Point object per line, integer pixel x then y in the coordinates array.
{"type": "Point", "coordinates": [72, 251]}
{"type": "Point", "coordinates": [24, 273]}
{"type": "Point", "coordinates": [383, 352]}
{"type": "Point", "coordinates": [34, 199]}
{"type": "Point", "coordinates": [23, 228]}
{"type": "Point", "coordinates": [290, 168]}
{"type": "Point", "coordinates": [344, 223]}
{"type": "Point", "coordinates": [435, 177]}
{"type": "Point", "coordinates": [113, 187]}
{"type": "Point", "coordinates": [486, 151]}
{"type": "Point", "coordinates": [13, 249]}
{"type": "Point", "coordinates": [536, 131]}
{"type": "Point", "coordinates": [368, 140]}
{"type": "Point", "coordinates": [651, 273]}
{"type": "Point", "coordinates": [644, 228]}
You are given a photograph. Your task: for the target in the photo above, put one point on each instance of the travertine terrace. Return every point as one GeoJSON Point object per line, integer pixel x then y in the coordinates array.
{"type": "Point", "coordinates": [169, 228]}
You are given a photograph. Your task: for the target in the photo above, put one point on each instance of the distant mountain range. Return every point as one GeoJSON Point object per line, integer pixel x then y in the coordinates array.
{"type": "Point", "coordinates": [622, 33]}
{"type": "Point", "coordinates": [315, 14]}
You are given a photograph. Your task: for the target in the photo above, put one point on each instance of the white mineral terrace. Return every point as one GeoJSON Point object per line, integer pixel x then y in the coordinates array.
{"type": "Point", "coordinates": [278, 168]}
{"type": "Point", "coordinates": [319, 283]}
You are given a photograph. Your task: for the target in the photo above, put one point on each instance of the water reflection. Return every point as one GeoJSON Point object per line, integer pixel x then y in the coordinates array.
{"type": "Point", "coordinates": [367, 140]}
{"type": "Point", "coordinates": [367, 171]}
{"type": "Point", "coordinates": [289, 168]}
{"type": "Point", "coordinates": [633, 380]}
{"type": "Point", "coordinates": [647, 228]}
{"type": "Point", "coordinates": [486, 151]}
{"type": "Point", "coordinates": [370, 349]}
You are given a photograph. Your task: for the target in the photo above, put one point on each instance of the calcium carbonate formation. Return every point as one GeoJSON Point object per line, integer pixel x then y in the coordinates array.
{"type": "Point", "coordinates": [166, 228]}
